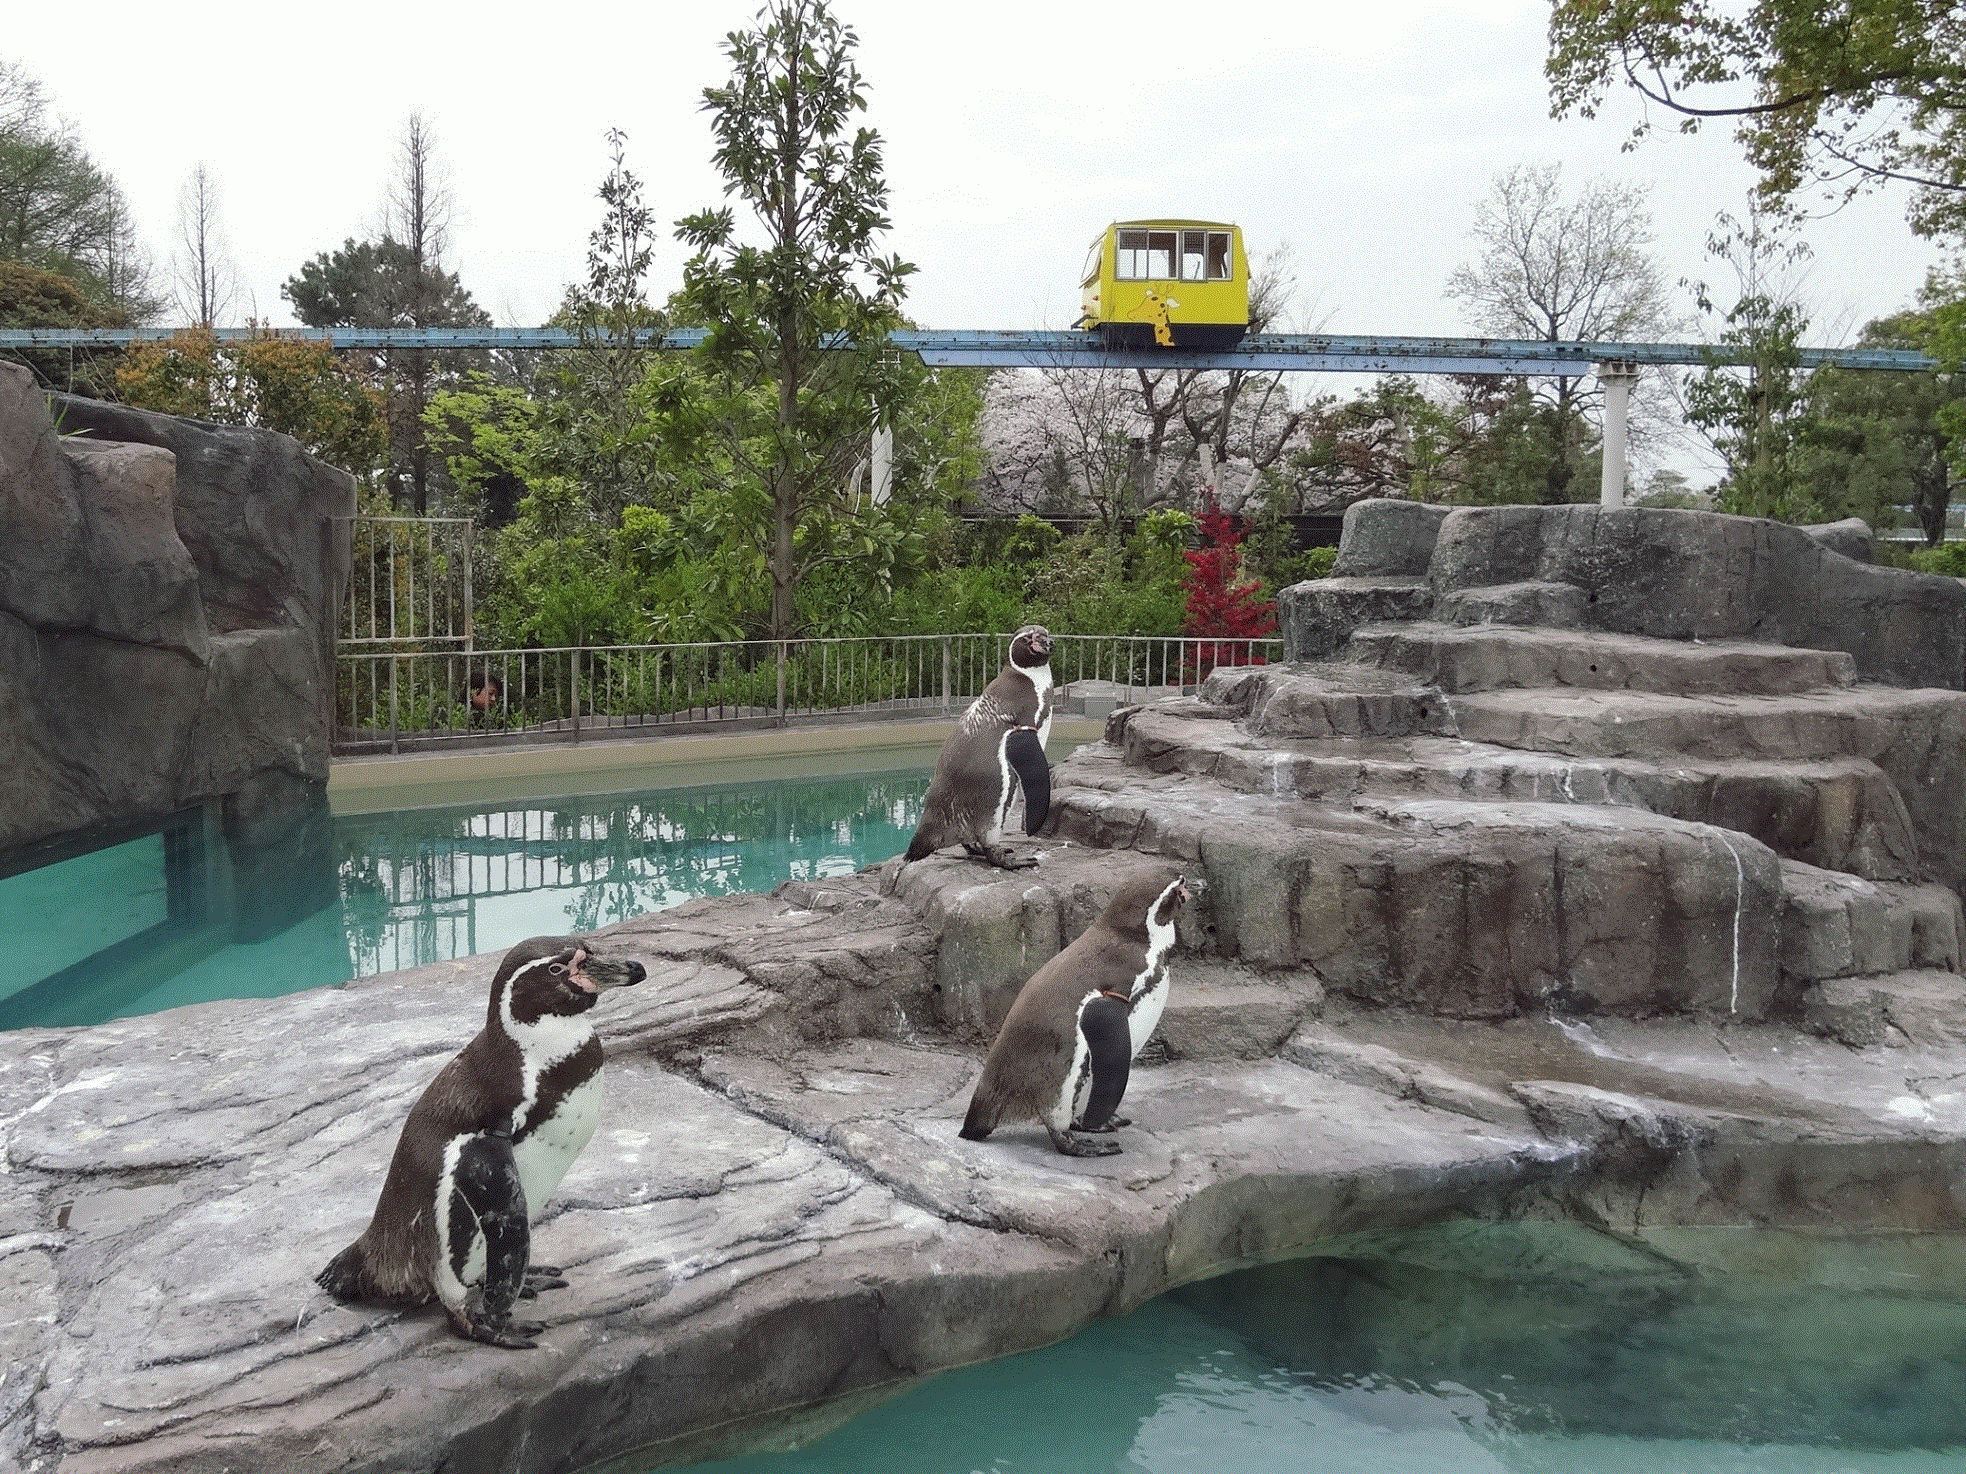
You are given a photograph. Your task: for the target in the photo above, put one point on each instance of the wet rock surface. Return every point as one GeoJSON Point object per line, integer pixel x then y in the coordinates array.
{"type": "Point", "coordinates": [1535, 967]}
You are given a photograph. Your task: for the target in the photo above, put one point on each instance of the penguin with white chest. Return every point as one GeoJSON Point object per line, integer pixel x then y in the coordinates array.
{"type": "Point", "coordinates": [484, 1147]}
{"type": "Point", "coordinates": [996, 749]}
{"type": "Point", "coordinates": [1068, 1042]}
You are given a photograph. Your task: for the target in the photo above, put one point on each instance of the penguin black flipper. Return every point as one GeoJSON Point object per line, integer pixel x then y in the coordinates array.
{"type": "Point", "coordinates": [1025, 754]}
{"type": "Point", "coordinates": [1109, 1041]}
{"type": "Point", "coordinates": [488, 1201]}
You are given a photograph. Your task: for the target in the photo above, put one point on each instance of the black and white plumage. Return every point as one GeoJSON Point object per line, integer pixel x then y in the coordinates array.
{"type": "Point", "coordinates": [996, 749]}
{"type": "Point", "coordinates": [484, 1147]}
{"type": "Point", "coordinates": [1067, 1045]}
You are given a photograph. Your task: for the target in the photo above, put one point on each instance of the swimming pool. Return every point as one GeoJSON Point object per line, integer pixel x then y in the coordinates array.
{"type": "Point", "coordinates": [166, 923]}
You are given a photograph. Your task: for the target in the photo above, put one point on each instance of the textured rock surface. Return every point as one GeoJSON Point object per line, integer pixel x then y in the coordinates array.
{"type": "Point", "coordinates": [1493, 920]}
{"type": "Point", "coordinates": [167, 598]}
{"type": "Point", "coordinates": [1662, 574]}
{"type": "Point", "coordinates": [777, 1212]}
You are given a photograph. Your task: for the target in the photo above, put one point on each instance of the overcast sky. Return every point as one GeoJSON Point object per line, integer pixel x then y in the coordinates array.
{"type": "Point", "coordinates": [1362, 134]}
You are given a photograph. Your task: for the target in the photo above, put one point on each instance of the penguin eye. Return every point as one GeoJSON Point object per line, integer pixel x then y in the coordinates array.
{"type": "Point", "coordinates": [557, 968]}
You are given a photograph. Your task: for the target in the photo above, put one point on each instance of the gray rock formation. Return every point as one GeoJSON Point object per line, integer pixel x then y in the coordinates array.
{"type": "Point", "coordinates": [168, 591]}
{"type": "Point", "coordinates": [1662, 574]}
{"type": "Point", "coordinates": [1498, 920]}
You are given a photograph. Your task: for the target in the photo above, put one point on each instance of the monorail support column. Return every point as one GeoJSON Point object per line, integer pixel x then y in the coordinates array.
{"type": "Point", "coordinates": [1617, 377]}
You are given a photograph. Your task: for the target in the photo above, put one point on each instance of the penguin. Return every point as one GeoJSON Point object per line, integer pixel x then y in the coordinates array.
{"type": "Point", "coordinates": [1069, 1041]}
{"type": "Point", "coordinates": [997, 747]}
{"type": "Point", "coordinates": [485, 1145]}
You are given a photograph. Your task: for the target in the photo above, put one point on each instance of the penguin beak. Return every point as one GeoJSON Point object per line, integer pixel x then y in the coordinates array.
{"type": "Point", "coordinates": [592, 974]}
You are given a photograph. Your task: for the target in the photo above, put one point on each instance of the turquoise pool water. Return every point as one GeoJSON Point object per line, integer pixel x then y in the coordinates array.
{"type": "Point", "coordinates": [377, 892]}
{"type": "Point", "coordinates": [1475, 1349]}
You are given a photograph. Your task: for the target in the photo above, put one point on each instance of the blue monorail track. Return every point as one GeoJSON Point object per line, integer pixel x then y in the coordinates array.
{"type": "Point", "coordinates": [1009, 348]}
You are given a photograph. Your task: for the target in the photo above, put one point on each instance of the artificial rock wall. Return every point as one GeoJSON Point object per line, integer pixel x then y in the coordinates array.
{"type": "Point", "coordinates": [168, 592]}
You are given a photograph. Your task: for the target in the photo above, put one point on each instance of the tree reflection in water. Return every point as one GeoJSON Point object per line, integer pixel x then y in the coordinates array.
{"type": "Point", "coordinates": [425, 885]}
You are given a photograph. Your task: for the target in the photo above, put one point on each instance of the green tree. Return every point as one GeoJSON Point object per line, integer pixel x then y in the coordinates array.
{"type": "Point", "coordinates": [33, 298]}
{"type": "Point", "coordinates": [1754, 411]}
{"type": "Point", "coordinates": [1876, 439]}
{"type": "Point", "coordinates": [399, 281]}
{"type": "Point", "coordinates": [272, 382]}
{"type": "Point", "coordinates": [805, 312]}
{"type": "Point", "coordinates": [597, 423]}
{"type": "Point", "coordinates": [1353, 449]}
{"type": "Point", "coordinates": [63, 215]}
{"type": "Point", "coordinates": [1832, 94]}
{"type": "Point", "coordinates": [1944, 337]}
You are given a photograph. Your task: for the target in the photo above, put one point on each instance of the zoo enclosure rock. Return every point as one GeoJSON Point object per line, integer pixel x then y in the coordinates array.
{"type": "Point", "coordinates": [1618, 944]}
{"type": "Point", "coordinates": [776, 1212]}
{"type": "Point", "coordinates": [168, 592]}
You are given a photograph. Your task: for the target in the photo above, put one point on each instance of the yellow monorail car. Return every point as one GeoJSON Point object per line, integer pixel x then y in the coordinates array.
{"type": "Point", "coordinates": [1168, 284]}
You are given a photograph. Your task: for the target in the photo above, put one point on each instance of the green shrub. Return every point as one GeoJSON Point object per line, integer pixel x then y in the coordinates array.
{"type": "Point", "coordinates": [1946, 558]}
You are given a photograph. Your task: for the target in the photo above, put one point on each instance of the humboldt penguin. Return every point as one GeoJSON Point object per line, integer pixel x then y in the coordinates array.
{"type": "Point", "coordinates": [1068, 1043]}
{"type": "Point", "coordinates": [997, 747]}
{"type": "Point", "coordinates": [485, 1145]}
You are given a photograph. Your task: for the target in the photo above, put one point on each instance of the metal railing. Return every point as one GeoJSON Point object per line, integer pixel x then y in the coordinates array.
{"type": "Point", "coordinates": [404, 697]}
{"type": "Point", "coordinates": [409, 581]}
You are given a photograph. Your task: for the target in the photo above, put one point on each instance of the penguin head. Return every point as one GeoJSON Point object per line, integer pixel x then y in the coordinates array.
{"type": "Point", "coordinates": [1030, 646]}
{"type": "Point", "coordinates": [1149, 899]}
{"type": "Point", "coordinates": [562, 975]}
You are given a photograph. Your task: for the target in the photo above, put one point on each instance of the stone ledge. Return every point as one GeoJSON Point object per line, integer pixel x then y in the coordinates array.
{"type": "Point", "coordinates": [767, 1224]}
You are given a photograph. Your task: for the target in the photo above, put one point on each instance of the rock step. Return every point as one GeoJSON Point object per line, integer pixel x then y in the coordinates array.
{"type": "Point", "coordinates": [1315, 618]}
{"type": "Point", "coordinates": [1532, 601]}
{"type": "Point", "coordinates": [1221, 1010]}
{"type": "Point", "coordinates": [1458, 658]}
{"type": "Point", "coordinates": [1498, 908]}
{"type": "Point", "coordinates": [1816, 724]}
{"type": "Point", "coordinates": [1915, 736]}
{"type": "Point", "coordinates": [1838, 813]}
{"type": "Point", "coordinates": [1468, 909]}
{"type": "Point", "coordinates": [1924, 1007]}
{"type": "Point", "coordinates": [1836, 926]}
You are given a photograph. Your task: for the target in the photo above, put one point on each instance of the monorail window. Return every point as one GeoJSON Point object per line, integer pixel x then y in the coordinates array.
{"type": "Point", "coordinates": [1146, 255]}
{"type": "Point", "coordinates": [1205, 255]}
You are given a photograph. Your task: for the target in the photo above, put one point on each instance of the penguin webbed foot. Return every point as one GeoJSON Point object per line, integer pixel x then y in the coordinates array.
{"type": "Point", "coordinates": [1112, 1123]}
{"type": "Point", "coordinates": [542, 1277]}
{"type": "Point", "coordinates": [1003, 859]}
{"type": "Point", "coordinates": [1077, 1146]}
{"type": "Point", "coordinates": [513, 1335]}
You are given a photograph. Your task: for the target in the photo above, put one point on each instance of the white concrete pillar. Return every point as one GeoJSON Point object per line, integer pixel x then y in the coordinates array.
{"type": "Point", "coordinates": [882, 481]}
{"type": "Point", "coordinates": [1617, 377]}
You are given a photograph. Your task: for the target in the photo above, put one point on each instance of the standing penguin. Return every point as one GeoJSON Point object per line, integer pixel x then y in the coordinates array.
{"type": "Point", "coordinates": [1068, 1043]}
{"type": "Point", "coordinates": [998, 746]}
{"type": "Point", "coordinates": [484, 1146]}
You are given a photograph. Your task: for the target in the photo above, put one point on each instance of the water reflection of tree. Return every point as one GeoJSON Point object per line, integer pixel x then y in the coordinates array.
{"type": "Point", "coordinates": [607, 856]}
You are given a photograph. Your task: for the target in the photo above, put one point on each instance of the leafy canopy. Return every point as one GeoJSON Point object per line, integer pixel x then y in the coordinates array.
{"type": "Point", "coordinates": [1837, 94]}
